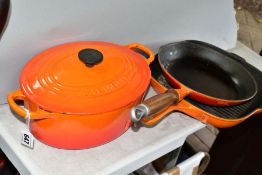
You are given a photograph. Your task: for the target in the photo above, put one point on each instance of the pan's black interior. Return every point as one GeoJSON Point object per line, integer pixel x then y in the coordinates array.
{"type": "Point", "coordinates": [207, 70]}
{"type": "Point", "coordinates": [231, 112]}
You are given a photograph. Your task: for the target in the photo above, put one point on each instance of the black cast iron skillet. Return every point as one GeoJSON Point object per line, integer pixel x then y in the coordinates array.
{"type": "Point", "coordinates": [202, 72]}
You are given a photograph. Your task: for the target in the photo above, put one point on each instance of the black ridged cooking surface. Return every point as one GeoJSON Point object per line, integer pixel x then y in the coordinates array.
{"type": "Point", "coordinates": [232, 112]}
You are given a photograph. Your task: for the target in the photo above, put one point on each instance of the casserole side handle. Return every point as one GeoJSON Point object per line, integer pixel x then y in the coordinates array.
{"type": "Point", "coordinates": [137, 47]}
{"type": "Point", "coordinates": [12, 99]}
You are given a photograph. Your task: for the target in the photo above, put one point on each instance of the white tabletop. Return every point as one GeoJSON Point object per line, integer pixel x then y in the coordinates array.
{"type": "Point", "coordinates": [121, 156]}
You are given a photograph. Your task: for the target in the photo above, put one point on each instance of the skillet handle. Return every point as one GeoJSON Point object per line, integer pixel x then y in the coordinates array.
{"type": "Point", "coordinates": [154, 105]}
{"type": "Point", "coordinates": [151, 55]}
{"type": "Point", "coordinates": [18, 95]}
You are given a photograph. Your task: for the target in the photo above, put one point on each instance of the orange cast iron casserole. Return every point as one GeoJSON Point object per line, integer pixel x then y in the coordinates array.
{"type": "Point", "coordinates": [79, 94]}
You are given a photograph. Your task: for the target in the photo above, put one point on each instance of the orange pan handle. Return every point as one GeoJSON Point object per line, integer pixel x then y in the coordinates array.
{"type": "Point", "coordinates": [157, 104]}
{"type": "Point", "coordinates": [18, 95]}
{"type": "Point", "coordinates": [144, 49]}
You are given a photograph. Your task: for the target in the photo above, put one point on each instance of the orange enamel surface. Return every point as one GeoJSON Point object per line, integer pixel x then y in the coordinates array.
{"type": "Point", "coordinates": [75, 131]}
{"type": "Point", "coordinates": [56, 80]}
{"type": "Point", "coordinates": [82, 131]}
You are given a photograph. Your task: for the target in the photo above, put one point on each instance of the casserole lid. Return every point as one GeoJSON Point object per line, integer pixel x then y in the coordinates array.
{"type": "Point", "coordinates": [85, 77]}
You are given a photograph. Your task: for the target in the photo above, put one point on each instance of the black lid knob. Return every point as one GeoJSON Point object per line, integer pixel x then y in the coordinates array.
{"type": "Point", "coordinates": [90, 57]}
